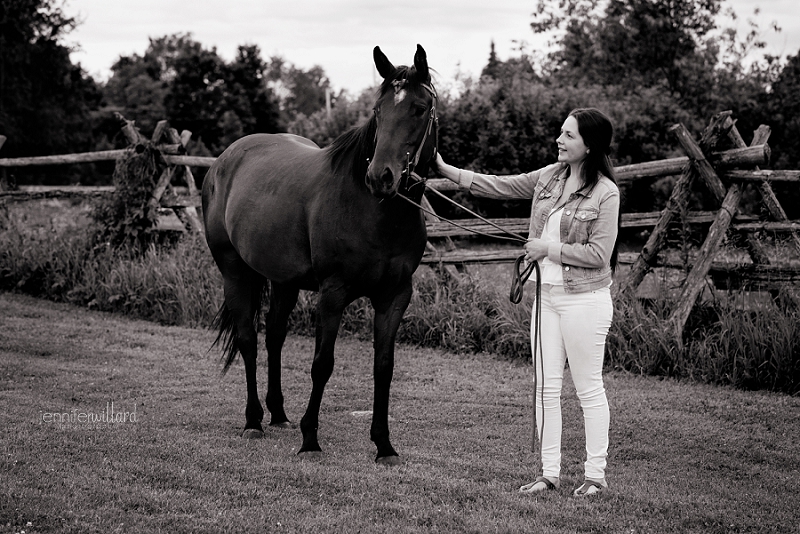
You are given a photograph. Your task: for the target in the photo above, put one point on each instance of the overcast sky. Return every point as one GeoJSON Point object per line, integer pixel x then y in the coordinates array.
{"type": "Point", "coordinates": [339, 35]}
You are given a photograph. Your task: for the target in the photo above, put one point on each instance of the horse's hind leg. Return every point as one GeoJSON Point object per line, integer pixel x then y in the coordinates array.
{"type": "Point", "coordinates": [243, 288]}
{"type": "Point", "coordinates": [282, 301]}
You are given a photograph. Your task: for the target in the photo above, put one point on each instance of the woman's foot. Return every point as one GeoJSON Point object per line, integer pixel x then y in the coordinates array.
{"type": "Point", "coordinates": [540, 485]}
{"type": "Point", "coordinates": [590, 486]}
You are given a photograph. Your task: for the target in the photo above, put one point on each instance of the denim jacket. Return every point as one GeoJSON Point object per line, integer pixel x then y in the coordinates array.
{"type": "Point", "coordinates": [588, 225]}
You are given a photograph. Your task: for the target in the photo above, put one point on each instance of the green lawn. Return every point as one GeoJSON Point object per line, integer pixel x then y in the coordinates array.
{"type": "Point", "coordinates": [684, 457]}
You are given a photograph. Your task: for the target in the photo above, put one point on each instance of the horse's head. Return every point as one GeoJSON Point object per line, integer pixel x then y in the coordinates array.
{"type": "Point", "coordinates": [405, 112]}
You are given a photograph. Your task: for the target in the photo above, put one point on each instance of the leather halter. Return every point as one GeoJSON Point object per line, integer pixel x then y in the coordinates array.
{"type": "Point", "coordinates": [433, 122]}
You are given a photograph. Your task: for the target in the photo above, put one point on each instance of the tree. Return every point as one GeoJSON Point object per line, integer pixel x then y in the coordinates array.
{"type": "Point", "coordinates": [784, 109]}
{"type": "Point", "coordinates": [492, 66]}
{"type": "Point", "coordinates": [191, 86]}
{"type": "Point", "coordinates": [196, 96]}
{"type": "Point", "coordinates": [45, 100]}
{"type": "Point", "coordinates": [248, 96]}
{"type": "Point", "coordinates": [299, 91]}
{"type": "Point", "coordinates": [139, 85]}
{"type": "Point", "coordinates": [683, 46]}
{"type": "Point", "coordinates": [135, 92]}
{"type": "Point", "coordinates": [346, 113]}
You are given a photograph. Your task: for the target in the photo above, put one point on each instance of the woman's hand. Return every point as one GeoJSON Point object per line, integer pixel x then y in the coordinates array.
{"type": "Point", "coordinates": [445, 170]}
{"type": "Point", "coordinates": [535, 250]}
{"type": "Point", "coordinates": [439, 162]}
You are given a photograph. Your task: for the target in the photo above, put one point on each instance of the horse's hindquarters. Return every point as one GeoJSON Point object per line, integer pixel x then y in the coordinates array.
{"type": "Point", "coordinates": [262, 187]}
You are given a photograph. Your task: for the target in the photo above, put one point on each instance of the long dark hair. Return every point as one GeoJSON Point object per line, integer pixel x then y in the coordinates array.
{"type": "Point", "coordinates": [597, 132]}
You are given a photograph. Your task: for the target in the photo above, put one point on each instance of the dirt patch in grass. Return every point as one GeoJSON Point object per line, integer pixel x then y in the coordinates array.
{"type": "Point", "coordinates": [684, 457]}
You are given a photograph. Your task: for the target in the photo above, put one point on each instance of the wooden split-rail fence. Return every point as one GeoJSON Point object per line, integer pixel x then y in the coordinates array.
{"type": "Point", "coordinates": [723, 172]}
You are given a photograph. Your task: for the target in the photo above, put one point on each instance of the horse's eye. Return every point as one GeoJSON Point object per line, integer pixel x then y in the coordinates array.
{"type": "Point", "coordinates": [419, 111]}
{"type": "Point", "coordinates": [377, 111]}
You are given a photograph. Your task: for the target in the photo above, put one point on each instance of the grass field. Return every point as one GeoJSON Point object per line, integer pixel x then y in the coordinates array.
{"type": "Point", "coordinates": [684, 457]}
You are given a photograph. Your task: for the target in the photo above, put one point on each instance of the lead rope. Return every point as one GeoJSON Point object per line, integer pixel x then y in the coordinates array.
{"type": "Point", "coordinates": [515, 296]}
{"type": "Point", "coordinates": [537, 348]}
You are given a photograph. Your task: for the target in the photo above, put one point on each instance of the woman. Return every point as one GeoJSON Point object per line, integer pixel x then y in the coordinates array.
{"type": "Point", "coordinates": [573, 233]}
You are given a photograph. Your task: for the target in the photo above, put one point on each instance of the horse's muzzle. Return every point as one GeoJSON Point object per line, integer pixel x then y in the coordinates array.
{"type": "Point", "coordinates": [385, 185]}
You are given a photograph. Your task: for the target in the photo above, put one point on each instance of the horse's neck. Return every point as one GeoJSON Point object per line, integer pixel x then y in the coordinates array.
{"type": "Point", "coordinates": [352, 151]}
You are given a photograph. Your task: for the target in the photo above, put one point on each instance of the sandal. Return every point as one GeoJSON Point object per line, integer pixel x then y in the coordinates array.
{"type": "Point", "coordinates": [590, 487]}
{"type": "Point", "coordinates": [549, 484]}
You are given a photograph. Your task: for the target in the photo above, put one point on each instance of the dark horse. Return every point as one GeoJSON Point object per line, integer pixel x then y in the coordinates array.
{"type": "Point", "coordinates": [282, 215]}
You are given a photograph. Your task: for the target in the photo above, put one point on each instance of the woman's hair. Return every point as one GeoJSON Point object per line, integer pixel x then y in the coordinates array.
{"type": "Point", "coordinates": [597, 132]}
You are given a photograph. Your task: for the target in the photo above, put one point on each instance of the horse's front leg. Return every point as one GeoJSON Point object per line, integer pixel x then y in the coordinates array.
{"type": "Point", "coordinates": [389, 312]}
{"type": "Point", "coordinates": [331, 304]}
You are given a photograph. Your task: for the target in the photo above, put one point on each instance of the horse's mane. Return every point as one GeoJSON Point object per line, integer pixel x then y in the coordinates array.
{"type": "Point", "coordinates": [350, 152]}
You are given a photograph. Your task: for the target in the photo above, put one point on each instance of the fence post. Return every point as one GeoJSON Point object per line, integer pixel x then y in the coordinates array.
{"type": "Point", "coordinates": [675, 205]}
{"type": "Point", "coordinates": [693, 284]}
{"type": "Point", "coordinates": [188, 215]}
{"type": "Point", "coordinates": [771, 201]}
{"type": "Point", "coordinates": [130, 131]}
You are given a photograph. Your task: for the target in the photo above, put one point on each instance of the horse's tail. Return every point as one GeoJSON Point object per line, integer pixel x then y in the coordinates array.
{"type": "Point", "coordinates": [228, 334]}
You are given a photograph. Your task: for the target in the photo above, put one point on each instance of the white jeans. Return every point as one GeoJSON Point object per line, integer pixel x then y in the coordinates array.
{"type": "Point", "coordinates": [574, 328]}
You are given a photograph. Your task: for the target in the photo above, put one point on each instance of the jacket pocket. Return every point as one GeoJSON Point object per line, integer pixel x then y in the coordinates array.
{"type": "Point", "coordinates": [582, 224]}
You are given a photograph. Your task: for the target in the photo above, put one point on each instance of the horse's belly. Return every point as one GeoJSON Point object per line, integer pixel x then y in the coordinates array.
{"type": "Point", "coordinates": [280, 263]}
{"type": "Point", "coordinates": [367, 260]}
{"type": "Point", "coordinates": [272, 240]}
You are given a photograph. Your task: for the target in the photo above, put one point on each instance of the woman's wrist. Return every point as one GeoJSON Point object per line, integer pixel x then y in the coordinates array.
{"type": "Point", "coordinates": [451, 173]}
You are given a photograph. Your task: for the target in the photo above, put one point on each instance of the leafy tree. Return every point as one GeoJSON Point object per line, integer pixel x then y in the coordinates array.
{"type": "Point", "coordinates": [197, 93]}
{"type": "Point", "coordinates": [139, 85]}
{"type": "Point", "coordinates": [191, 86]}
{"type": "Point", "coordinates": [640, 42]}
{"type": "Point", "coordinates": [251, 100]}
{"type": "Point", "coordinates": [636, 44]}
{"type": "Point", "coordinates": [346, 113]}
{"type": "Point", "coordinates": [784, 108]}
{"type": "Point", "coordinates": [45, 100]}
{"type": "Point", "coordinates": [133, 91]}
{"type": "Point", "coordinates": [299, 91]}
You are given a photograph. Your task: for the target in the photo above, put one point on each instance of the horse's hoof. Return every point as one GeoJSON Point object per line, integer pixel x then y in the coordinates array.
{"type": "Point", "coordinates": [309, 455]}
{"type": "Point", "coordinates": [285, 424]}
{"type": "Point", "coordinates": [389, 461]}
{"type": "Point", "coordinates": [252, 433]}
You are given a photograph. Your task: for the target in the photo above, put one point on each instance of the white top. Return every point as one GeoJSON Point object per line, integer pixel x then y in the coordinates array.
{"type": "Point", "coordinates": [551, 271]}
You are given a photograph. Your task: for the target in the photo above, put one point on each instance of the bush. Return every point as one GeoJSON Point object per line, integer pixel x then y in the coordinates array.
{"type": "Point", "coordinates": [127, 218]}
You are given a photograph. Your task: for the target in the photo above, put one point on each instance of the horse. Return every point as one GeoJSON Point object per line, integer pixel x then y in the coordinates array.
{"type": "Point", "coordinates": [282, 215]}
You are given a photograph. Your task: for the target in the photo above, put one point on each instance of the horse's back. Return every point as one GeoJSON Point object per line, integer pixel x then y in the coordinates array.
{"type": "Point", "coordinates": [255, 200]}
{"type": "Point", "coordinates": [268, 152]}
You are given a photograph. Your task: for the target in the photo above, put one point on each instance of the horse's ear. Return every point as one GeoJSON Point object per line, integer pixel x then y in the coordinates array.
{"type": "Point", "coordinates": [385, 67]}
{"type": "Point", "coordinates": [421, 63]}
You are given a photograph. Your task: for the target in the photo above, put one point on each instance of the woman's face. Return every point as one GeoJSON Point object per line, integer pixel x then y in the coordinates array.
{"type": "Point", "coordinates": [571, 148]}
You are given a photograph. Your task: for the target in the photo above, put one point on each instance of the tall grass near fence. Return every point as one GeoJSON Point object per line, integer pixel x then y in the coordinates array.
{"type": "Point", "coordinates": [754, 347]}
{"type": "Point", "coordinates": [175, 284]}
